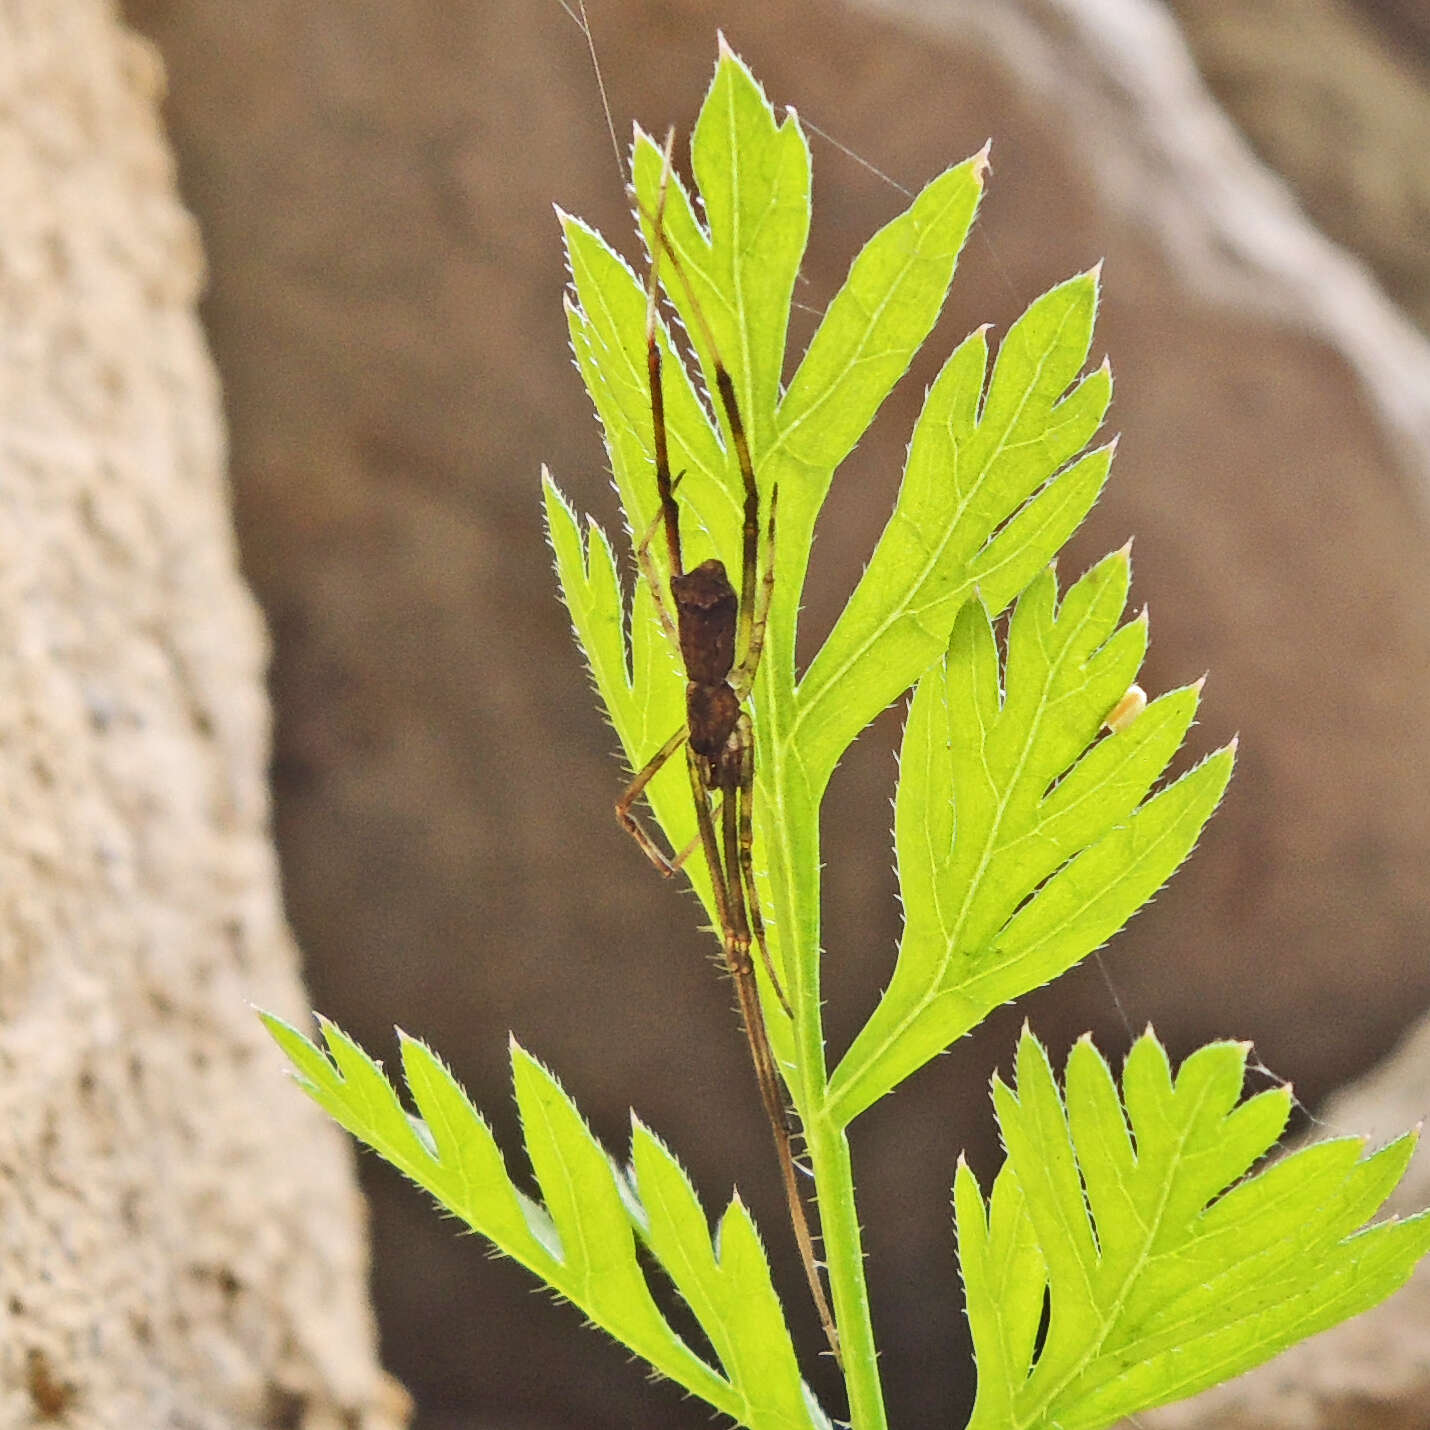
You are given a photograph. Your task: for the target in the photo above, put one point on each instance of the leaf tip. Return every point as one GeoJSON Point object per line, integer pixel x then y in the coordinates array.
{"type": "Point", "coordinates": [277, 1027]}
{"type": "Point", "coordinates": [638, 136]}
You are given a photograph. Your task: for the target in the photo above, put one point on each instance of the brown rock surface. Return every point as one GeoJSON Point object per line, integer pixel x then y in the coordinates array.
{"type": "Point", "coordinates": [1335, 95]}
{"type": "Point", "coordinates": [181, 1241]}
{"type": "Point", "coordinates": [374, 186]}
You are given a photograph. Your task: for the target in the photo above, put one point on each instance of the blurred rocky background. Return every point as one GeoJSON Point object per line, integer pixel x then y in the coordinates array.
{"type": "Point", "coordinates": [373, 186]}
{"type": "Point", "coordinates": [182, 1241]}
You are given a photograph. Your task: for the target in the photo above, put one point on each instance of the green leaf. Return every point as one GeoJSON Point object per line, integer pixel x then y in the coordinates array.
{"type": "Point", "coordinates": [1024, 836]}
{"type": "Point", "coordinates": [607, 324]}
{"type": "Point", "coordinates": [1005, 1279]}
{"type": "Point", "coordinates": [753, 175]}
{"type": "Point", "coordinates": [581, 1237]}
{"type": "Point", "coordinates": [1160, 1281]}
{"type": "Point", "coordinates": [591, 590]}
{"type": "Point", "coordinates": [644, 707]}
{"type": "Point", "coordinates": [727, 1285]}
{"type": "Point", "coordinates": [987, 499]}
{"type": "Point", "coordinates": [733, 285]}
{"type": "Point", "coordinates": [731, 282]}
{"type": "Point", "coordinates": [878, 320]}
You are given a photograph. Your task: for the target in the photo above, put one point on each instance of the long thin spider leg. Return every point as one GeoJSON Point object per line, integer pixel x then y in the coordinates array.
{"type": "Point", "coordinates": [633, 792]}
{"type": "Point", "coordinates": [750, 526]}
{"type": "Point", "coordinates": [729, 404]}
{"type": "Point", "coordinates": [730, 911]}
{"type": "Point", "coordinates": [652, 579]}
{"type": "Point", "coordinates": [719, 885]}
{"type": "Point", "coordinates": [742, 678]}
{"type": "Point", "coordinates": [745, 853]}
{"type": "Point", "coordinates": [736, 940]}
{"type": "Point", "coordinates": [664, 486]}
{"type": "Point", "coordinates": [679, 861]}
{"type": "Point", "coordinates": [805, 1241]}
{"type": "Point", "coordinates": [737, 931]}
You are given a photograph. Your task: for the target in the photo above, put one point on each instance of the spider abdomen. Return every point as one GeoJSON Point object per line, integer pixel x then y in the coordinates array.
{"type": "Point", "coordinates": [712, 712]}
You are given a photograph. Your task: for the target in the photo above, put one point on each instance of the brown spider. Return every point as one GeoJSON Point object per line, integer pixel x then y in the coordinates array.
{"type": "Point", "coordinates": [720, 637]}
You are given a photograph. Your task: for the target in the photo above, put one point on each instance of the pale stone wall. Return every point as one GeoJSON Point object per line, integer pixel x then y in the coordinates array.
{"type": "Point", "coordinates": [181, 1242]}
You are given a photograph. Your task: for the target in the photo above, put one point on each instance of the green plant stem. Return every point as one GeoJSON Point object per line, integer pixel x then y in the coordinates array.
{"type": "Point", "coordinates": [844, 1256]}
{"type": "Point", "coordinates": [796, 880]}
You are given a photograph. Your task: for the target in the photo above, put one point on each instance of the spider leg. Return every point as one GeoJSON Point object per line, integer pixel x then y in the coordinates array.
{"type": "Point", "coordinates": [744, 842]}
{"type": "Point", "coordinates": [750, 633]}
{"type": "Point", "coordinates": [742, 678]}
{"type": "Point", "coordinates": [719, 885]}
{"type": "Point", "coordinates": [750, 526]}
{"type": "Point", "coordinates": [679, 861]}
{"type": "Point", "coordinates": [729, 901]}
{"type": "Point", "coordinates": [664, 486]}
{"type": "Point", "coordinates": [633, 792]}
{"type": "Point", "coordinates": [652, 579]}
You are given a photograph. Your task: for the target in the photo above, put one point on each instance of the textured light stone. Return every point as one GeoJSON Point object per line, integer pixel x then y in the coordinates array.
{"type": "Point", "coordinates": [181, 1242]}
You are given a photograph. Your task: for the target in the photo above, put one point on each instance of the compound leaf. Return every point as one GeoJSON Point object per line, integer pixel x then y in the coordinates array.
{"type": "Point", "coordinates": [581, 1238]}
{"type": "Point", "coordinates": [1024, 840]}
{"type": "Point", "coordinates": [987, 499]}
{"type": "Point", "coordinates": [1124, 1258]}
{"type": "Point", "coordinates": [726, 1284]}
{"type": "Point", "coordinates": [1166, 1268]}
{"type": "Point", "coordinates": [878, 320]}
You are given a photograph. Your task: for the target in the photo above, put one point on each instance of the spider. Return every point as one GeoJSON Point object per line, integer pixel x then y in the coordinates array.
{"type": "Point", "coordinates": [720, 636]}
